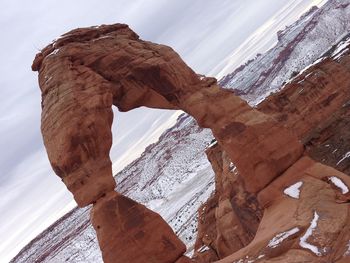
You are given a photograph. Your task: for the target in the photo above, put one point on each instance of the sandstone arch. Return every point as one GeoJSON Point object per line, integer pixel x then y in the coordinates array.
{"type": "Point", "coordinates": [84, 73]}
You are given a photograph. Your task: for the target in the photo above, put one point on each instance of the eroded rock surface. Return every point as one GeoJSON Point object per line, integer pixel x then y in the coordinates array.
{"type": "Point", "coordinates": [306, 218]}
{"type": "Point", "coordinates": [316, 104]}
{"type": "Point", "coordinates": [86, 71]}
{"type": "Point", "coordinates": [137, 231]}
{"type": "Point", "coordinates": [229, 220]}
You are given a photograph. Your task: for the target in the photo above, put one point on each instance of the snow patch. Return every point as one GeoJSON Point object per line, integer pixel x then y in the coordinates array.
{"type": "Point", "coordinates": [54, 52]}
{"type": "Point", "coordinates": [347, 252]}
{"type": "Point", "coordinates": [342, 48]}
{"type": "Point", "coordinates": [303, 71]}
{"type": "Point", "coordinates": [203, 249]}
{"type": "Point", "coordinates": [303, 240]}
{"type": "Point", "coordinates": [103, 37]}
{"type": "Point", "coordinates": [309, 66]}
{"type": "Point", "coordinates": [232, 167]}
{"type": "Point", "coordinates": [293, 190]}
{"type": "Point", "coordinates": [347, 155]}
{"type": "Point", "coordinates": [249, 261]}
{"type": "Point", "coordinates": [340, 184]}
{"type": "Point", "coordinates": [279, 238]}
{"type": "Point", "coordinates": [341, 54]}
{"type": "Point", "coordinates": [215, 142]}
{"type": "Point", "coordinates": [154, 203]}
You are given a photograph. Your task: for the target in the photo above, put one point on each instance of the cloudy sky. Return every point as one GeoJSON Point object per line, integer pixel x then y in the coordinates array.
{"type": "Point", "coordinates": [213, 37]}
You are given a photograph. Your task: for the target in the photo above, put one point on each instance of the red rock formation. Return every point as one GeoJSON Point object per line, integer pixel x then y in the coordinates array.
{"type": "Point", "coordinates": [86, 71]}
{"type": "Point", "coordinates": [230, 219]}
{"type": "Point", "coordinates": [310, 227]}
{"type": "Point", "coordinates": [316, 105]}
{"type": "Point", "coordinates": [111, 65]}
{"type": "Point", "coordinates": [129, 232]}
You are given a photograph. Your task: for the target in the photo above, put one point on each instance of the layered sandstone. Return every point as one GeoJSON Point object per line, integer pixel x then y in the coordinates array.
{"type": "Point", "coordinates": [316, 105]}
{"type": "Point", "coordinates": [111, 65]}
{"type": "Point", "coordinates": [129, 232]}
{"type": "Point", "coordinates": [229, 220]}
{"type": "Point", "coordinates": [86, 71]}
{"type": "Point", "coordinates": [310, 225]}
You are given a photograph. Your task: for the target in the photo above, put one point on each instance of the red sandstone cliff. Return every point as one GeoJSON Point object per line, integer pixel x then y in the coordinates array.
{"type": "Point", "coordinates": [316, 106]}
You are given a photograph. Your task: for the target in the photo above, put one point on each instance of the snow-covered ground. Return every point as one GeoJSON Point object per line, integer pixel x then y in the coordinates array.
{"type": "Point", "coordinates": [173, 176]}
{"type": "Point", "coordinates": [299, 45]}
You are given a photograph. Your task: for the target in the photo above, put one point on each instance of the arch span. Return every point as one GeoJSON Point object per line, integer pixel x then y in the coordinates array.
{"type": "Point", "coordinates": [85, 72]}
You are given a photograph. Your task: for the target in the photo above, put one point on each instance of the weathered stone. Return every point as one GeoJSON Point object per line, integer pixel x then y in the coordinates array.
{"type": "Point", "coordinates": [87, 70]}
{"type": "Point", "coordinates": [230, 219]}
{"type": "Point", "coordinates": [311, 222]}
{"type": "Point", "coordinates": [324, 129]}
{"type": "Point", "coordinates": [129, 232]}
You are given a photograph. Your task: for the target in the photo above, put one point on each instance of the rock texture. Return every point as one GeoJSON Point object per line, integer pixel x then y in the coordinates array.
{"type": "Point", "coordinates": [173, 177]}
{"type": "Point", "coordinates": [87, 70]}
{"type": "Point", "coordinates": [316, 103]}
{"type": "Point", "coordinates": [123, 70]}
{"type": "Point", "coordinates": [310, 223]}
{"type": "Point", "coordinates": [138, 234]}
{"type": "Point", "coordinates": [229, 220]}
{"type": "Point", "coordinates": [306, 210]}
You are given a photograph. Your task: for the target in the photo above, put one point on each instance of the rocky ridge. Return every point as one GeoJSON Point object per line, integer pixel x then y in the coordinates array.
{"type": "Point", "coordinates": [298, 46]}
